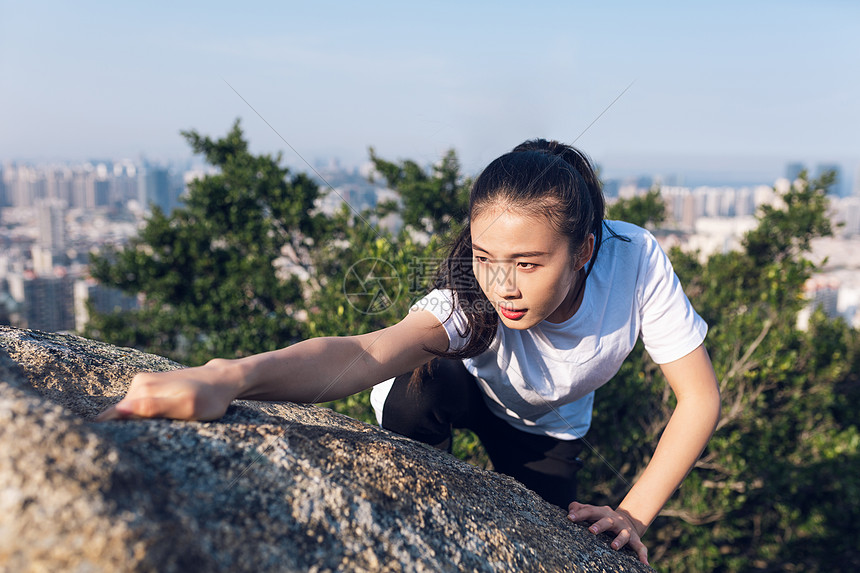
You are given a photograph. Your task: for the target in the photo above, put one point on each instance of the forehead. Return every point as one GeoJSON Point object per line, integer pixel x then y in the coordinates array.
{"type": "Point", "coordinates": [503, 233]}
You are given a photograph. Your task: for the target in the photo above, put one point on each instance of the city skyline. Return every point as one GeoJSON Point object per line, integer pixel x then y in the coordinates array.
{"type": "Point", "coordinates": [323, 169]}
{"type": "Point", "coordinates": [710, 88]}
{"type": "Point", "coordinates": [52, 219]}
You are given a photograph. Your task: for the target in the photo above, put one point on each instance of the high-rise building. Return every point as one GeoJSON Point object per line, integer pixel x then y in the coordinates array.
{"type": "Point", "coordinates": [847, 215]}
{"type": "Point", "coordinates": [154, 188]}
{"type": "Point", "coordinates": [123, 184]}
{"type": "Point", "coordinates": [59, 182]}
{"type": "Point", "coordinates": [27, 186]}
{"type": "Point", "coordinates": [822, 168]}
{"type": "Point", "coordinates": [80, 182]}
{"type": "Point", "coordinates": [51, 215]}
{"type": "Point", "coordinates": [8, 306]}
{"type": "Point", "coordinates": [822, 292]}
{"type": "Point", "coordinates": [4, 200]}
{"type": "Point", "coordinates": [610, 188]}
{"type": "Point", "coordinates": [46, 303]}
{"type": "Point", "coordinates": [792, 170]}
{"type": "Point", "coordinates": [90, 294]}
{"type": "Point", "coordinates": [101, 193]}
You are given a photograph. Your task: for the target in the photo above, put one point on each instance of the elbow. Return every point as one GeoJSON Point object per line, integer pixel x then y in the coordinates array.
{"type": "Point", "coordinates": [716, 407]}
{"type": "Point", "coordinates": [717, 416]}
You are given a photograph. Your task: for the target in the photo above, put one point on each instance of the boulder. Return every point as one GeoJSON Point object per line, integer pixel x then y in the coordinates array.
{"type": "Point", "coordinates": [268, 487]}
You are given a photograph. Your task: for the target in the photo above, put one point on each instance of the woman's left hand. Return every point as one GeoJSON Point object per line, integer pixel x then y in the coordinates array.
{"type": "Point", "coordinates": [617, 521]}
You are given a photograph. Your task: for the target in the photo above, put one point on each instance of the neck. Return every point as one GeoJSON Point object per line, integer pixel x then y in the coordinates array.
{"type": "Point", "coordinates": [577, 294]}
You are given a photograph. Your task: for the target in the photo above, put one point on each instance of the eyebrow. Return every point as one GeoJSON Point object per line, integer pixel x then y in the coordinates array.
{"type": "Point", "coordinates": [515, 255]}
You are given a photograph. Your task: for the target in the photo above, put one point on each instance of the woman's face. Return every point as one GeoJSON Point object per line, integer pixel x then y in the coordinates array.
{"type": "Point", "coordinates": [525, 267]}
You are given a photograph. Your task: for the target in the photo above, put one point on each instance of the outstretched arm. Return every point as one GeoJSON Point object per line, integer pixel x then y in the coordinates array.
{"type": "Point", "coordinates": [690, 427]}
{"type": "Point", "coordinates": [314, 370]}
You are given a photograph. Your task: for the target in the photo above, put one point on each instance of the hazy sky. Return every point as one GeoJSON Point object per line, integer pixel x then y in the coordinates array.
{"type": "Point", "coordinates": [731, 83]}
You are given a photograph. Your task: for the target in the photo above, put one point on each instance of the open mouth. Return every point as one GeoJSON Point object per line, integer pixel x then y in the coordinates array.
{"type": "Point", "coordinates": [511, 313]}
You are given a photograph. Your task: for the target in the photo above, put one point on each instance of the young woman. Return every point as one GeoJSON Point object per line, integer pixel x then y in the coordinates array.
{"type": "Point", "coordinates": [538, 303]}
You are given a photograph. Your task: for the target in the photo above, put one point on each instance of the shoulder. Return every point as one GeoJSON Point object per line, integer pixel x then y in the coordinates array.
{"type": "Point", "coordinates": [626, 244]}
{"type": "Point", "coordinates": [630, 253]}
{"type": "Point", "coordinates": [623, 232]}
{"type": "Point", "coordinates": [438, 301]}
{"type": "Point", "coordinates": [442, 304]}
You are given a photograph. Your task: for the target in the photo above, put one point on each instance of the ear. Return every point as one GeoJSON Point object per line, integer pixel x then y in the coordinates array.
{"type": "Point", "coordinates": [585, 252]}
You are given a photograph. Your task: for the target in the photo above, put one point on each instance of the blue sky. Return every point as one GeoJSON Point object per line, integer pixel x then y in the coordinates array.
{"type": "Point", "coordinates": [734, 85]}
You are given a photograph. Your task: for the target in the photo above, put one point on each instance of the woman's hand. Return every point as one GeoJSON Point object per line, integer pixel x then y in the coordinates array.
{"type": "Point", "coordinates": [617, 521]}
{"type": "Point", "coordinates": [201, 393]}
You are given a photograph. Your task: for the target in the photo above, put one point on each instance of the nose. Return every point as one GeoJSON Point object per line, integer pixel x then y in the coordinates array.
{"type": "Point", "coordinates": [506, 281]}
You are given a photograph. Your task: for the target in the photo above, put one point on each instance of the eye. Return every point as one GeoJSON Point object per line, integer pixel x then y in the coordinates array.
{"type": "Point", "coordinates": [480, 259]}
{"type": "Point", "coordinates": [526, 266]}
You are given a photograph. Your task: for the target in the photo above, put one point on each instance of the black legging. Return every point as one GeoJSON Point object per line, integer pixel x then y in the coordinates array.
{"type": "Point", "coordinates": [449, 397]}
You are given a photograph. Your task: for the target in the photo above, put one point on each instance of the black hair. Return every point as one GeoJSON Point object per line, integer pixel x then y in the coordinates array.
{"type": "Point", "coordinates": [538, 177]}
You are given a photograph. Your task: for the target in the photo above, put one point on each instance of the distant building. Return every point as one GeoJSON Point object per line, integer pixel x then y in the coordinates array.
{"type": "Point", "coordinates": [51, 214]}
{"type": "Point", "coordinates": [645, 182]}
{"type": "Point", "coordinates": [822, 293]}
{"type": "Point", "coordinates": [104, 300]}
{"type": "Point", "coordinates": [838, 183]}
{"type": "Point", "coordinates": [4, 199]}
{"type": "Point", "coordinates": [610, 188]}
{"type": "Point", "coordinates": [123, 184]}
{"type": "Point", "coordinates": [793, 170]}
{"type": "Point", "coordinates": [718, 234]}
{"type": "Point", "coordinates": [44, 260]}
{"type": "Point", "coordinates": [27, 186]}
{"type": "Point", "coordinates": [101, 193]}
{"type": "Point", "coordinates": [846, 215]}
{"type": "Point", "coordinates": [9, 307]}
{"type": "Point", "coordinates": [158, 186]}
{"type": "Point", "coordinates": [856, 192]}
{"type": "Point", "coordinates": [359, 196]}
{"type": "Point", "coordinates": [46, 303]}
{"type": "Point", "coordinates": [90, 187]}
{"type": "Point", "coordinates": [60, 182]}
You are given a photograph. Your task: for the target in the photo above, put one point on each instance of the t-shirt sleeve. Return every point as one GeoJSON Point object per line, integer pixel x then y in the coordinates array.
{"type": "Point", "coordinates": [671, 327]}
{"type": "Point", "coordinates": [440, 302]}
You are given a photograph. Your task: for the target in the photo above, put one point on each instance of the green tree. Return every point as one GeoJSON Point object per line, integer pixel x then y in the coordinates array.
{"type": "Point", "coordinates": [647, 210]}
{"type": "Point", "coordinates": [212, 272]}
{"type": "Point", "coordinates": [435, 201]}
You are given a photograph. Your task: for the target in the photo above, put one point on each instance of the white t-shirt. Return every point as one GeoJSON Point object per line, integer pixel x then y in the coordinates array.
{"type": "Point", "coordinates": [542, 380]}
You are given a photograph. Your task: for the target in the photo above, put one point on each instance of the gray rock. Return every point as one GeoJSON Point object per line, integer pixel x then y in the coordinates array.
{"type": "Point", "coordinates": [268, 487]}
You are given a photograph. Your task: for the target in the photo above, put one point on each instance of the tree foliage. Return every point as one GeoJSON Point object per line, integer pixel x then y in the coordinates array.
{"type": "Point", "coordinates": [434, 202]}
{"type": "Point", "coordinates": [644, 210]}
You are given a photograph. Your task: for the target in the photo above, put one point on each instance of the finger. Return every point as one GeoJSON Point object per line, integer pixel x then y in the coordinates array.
{"type": "Point", "coordinates": [153, 407]}
{"type": "Point", "coordinates": [621, 539]}
{"type": "Point", "coordinates": [640, 549]}
{"type": "Point", "coordinates": [109, 414]}
{"type": "Point", "coordinates": [604, 524]}
{"type": "Point", "coordinates": [584, 512]}
{"type": "Point", "coordinates": [119, 411]}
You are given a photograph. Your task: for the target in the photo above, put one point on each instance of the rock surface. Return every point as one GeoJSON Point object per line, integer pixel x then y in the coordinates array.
{"type": "Point", "coordinates": [268, 487]}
